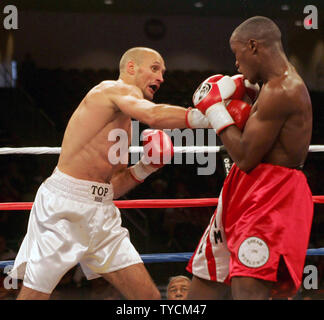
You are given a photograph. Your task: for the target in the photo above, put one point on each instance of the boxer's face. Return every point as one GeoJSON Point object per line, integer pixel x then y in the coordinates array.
{"type": "Point", "coordinates": [149, 74]}
{"type": "Point", "coordinates": [244, 59]}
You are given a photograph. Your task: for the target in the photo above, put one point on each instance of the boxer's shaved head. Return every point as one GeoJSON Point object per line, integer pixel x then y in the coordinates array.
{"type": "Point", "coordinates": [144, 68]}
{"type": "Point", "coordinates": [254, 42]}
{"type": "Point", "coordinates": [137, 55]}
{"type": "Point", "coordinates": [257, 28]}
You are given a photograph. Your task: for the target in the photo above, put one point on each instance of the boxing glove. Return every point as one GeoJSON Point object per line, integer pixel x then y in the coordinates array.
{"type": "Point", "coordinates": [240, 88]}
{"type": "Point", "coordinates": [251, 91]}
{"type": "Point", "coordinates": [226, 113]}
{"type": "Point", "coordinates": [213, 90]}
{"type": "Point", "coordinates": [158, 150]}
{"type": "Point", "coordinates": [239, 111]}
{"type": "Point", "coordinates": [214, 78]}
{"type": "Point", "coordinates": [209, 96]}
{"type": "Point", "coordinates": [195, 119]}
{"type": "Point", "coordinates": [245, 90]}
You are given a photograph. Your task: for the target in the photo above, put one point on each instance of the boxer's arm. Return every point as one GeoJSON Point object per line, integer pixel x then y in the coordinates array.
{"type": "Point", "coordinates": [157, 116]}
{"type": "Point", "coordinates": [157, 151]}
{"type": "Point", "coordinates": [122, 182]}
{"type": "Point", "coordinates": [105, 101]}
{"type": "Point", "coordinates": [248, 148]}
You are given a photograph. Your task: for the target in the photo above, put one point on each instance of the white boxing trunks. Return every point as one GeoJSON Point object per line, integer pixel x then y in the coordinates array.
{"type": "Point", "coordinates": [72, 221]}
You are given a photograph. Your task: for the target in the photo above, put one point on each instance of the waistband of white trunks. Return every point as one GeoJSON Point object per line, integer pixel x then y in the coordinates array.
{"type": "Point", "coordinates": [77, 189]}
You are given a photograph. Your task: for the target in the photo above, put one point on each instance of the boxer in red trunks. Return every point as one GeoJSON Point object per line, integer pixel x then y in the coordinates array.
{"type": "Point", "coordinates": [258, 238]}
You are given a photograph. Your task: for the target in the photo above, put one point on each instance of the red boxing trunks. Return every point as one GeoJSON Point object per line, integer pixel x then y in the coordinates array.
{"type": "Point", "coordinates": [263, 217]}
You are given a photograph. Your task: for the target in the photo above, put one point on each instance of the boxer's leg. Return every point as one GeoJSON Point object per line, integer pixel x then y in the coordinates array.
{"type": "Point", "coordinates": [31, 294]}
{"type": "Point", "coordinates": [201, 289]}
{"type": "Point", "coordinates": [134, 283]}
{"type": "Point", "coordinates": [247, 288]}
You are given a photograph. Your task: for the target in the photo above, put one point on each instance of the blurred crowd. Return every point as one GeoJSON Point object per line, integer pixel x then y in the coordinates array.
{"type": "Point", "coordinates": [52, 95]}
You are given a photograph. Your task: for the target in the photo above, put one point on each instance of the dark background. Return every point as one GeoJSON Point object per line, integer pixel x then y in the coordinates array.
{"type": "Point", "coordinates": [64, 48]}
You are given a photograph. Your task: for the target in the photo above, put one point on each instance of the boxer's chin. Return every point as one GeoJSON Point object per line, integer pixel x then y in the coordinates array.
{"type": "Point", "coordinates": [252, 79]}
{"type": "Point", "coordinates": [148, 94]}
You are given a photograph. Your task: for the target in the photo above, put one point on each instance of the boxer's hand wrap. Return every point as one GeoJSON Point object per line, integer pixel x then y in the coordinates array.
{"type": "Point", "coordinates": [140, 171]}
{"type": "Point", "coordinates": [223, 114]}
{"type": "Point", "coordinates": [219, 117]}
{"type": "Point", "coordinates": [195, 119]}
{"type": "Point", "coordinates": [158, 150]}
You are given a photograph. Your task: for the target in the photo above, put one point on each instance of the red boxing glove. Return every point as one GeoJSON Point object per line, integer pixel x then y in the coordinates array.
{"type": "Point", "coordinates": [240, 89]}
{"type": "Point", "coordinates": [245, 90]}
{"type": "Point", "coordinates": [239, 111]}
{"type": "Point", "coordinates": [251, 91]}
{"type": "Point", "coordinates": [213, 90]}
{"type": "Point", "coordinates": [226, 113]}
{"type": "Point", "coordinates": [158, 150]}
{"type": "Point", "coordinates": [214, 78]}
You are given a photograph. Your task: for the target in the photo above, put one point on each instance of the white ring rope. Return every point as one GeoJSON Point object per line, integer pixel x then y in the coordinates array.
{"type": "Point", "coordinates": [30, 150]}
{"type": "Point", "coordinates": [132, 149]}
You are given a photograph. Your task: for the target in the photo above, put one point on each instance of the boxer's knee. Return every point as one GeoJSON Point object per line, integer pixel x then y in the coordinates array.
{"type": "Point", "coordinates": [31, 294]}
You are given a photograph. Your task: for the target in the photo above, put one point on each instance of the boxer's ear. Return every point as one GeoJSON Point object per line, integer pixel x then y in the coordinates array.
{"type": "Point", "coordinates": [253, 45]}
{"type": "Point", "coordinates": [130, 68]}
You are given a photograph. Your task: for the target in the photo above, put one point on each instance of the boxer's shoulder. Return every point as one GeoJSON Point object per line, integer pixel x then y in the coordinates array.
{"type": "Point", "coordinates": [111, 91]}
{"type": "Point", "coordinates": [285, 96]}
{"type": "Point", "coordinates": [286, 85]}
{"type": "Point", "coordinates": [277, 90]}
{"type": "Point", "coordinates": [121, 88]}
{"type": "Point", "coordinates": [107, 87]}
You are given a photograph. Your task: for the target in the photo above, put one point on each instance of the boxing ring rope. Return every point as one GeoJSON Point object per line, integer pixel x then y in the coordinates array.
{"type": "Point", "coordinates": [143, 204]}
{"type": "Point", "coordinates": [132, 149]}
{"type": "Point", "coordinates": [153, 203]}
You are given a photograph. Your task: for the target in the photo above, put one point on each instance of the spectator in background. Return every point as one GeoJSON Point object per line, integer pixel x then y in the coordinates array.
{"type": "Point", "coordinates": [178, 288]}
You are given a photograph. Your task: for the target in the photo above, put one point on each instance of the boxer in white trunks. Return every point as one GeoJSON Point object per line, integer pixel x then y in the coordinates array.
{"type": "Point", "coordinates": [73, 219]}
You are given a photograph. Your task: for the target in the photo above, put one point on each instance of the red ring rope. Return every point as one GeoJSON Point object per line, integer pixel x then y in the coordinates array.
{"type": "Point", "coordinates": [152, 203]}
